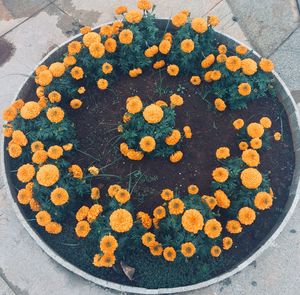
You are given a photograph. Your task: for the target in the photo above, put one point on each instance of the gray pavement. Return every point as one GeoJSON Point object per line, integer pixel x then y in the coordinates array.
{"type": "Point", "coordinates": [31, 28]}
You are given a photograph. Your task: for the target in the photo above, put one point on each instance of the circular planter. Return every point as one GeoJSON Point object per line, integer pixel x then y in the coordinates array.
{"type": "Point", "coordinates": [289, 104]}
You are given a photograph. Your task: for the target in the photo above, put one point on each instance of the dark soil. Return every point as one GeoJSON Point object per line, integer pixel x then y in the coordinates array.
{"type": "Point", "coordinates": [96, 124]}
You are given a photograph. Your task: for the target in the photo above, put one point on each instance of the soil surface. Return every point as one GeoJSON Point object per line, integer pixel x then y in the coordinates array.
{"type": "Point", "coordinates": [96, 124]}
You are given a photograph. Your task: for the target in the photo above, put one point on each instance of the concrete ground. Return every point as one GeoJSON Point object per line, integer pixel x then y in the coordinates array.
{"type": "Point", "coordinates": [31, 28]}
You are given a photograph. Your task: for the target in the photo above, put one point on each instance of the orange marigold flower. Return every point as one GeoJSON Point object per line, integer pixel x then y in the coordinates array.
{"type": "Point", "coordinates": [76, 171]}
{"type": "Point", "coordinates": [24, 196]}
{"type": "Point", "coordinates": [251, 157]}
{"type": "Point", "coordinates": [126, 36]}
{"type": "Point", "coordinates": [241, 49]}
{"type": "Point", "coordinates": [134, 104]}
{"type": "Point", "coordinates": [222, 199]}
{"type": "Point", "coordinates": [179, 19]}
{"type": "Point", "coordinates": [223, 153]}
{"type": "Point", "coordinates": [44, 78]}
{"type": "Point", "coordinates": [47, 175]}
{"type": "Point", "coordinates": [213, 20]}
{"type": "Point", "coordinates": [249, 66]}
{"type": "Point", "coordinates": [55, 114]}
{"type": "Point", "coordinates": [106, 30]}
{"type": "Point", "coordinates": [199, 25]}
{"type": "Point", "coordinates": [106, 260]}
{"type": "Point", "coordinates": [159, 212]}
{"type": "Point", "coordinates": [173, 70]}
{"type": "Point", "coordinates": [164, 46]}
{"type": "Point", "coordinates": [84, 30]}
{"type": "Point", "coordinates": [208, 61]}
{"type": "Point", "coordinates": [9, 114]}
{"type": "Point", "coordinates": [53, 228]}
{"type": "Point", "coordinates": [82, 229]}
{"type": "Point", "coordinates": [233, 227]}
{"type": "Point", "coordinates": [151, 51]}
{"type": "Point", "coordinates": [193, 189]}
{"type": "Point", "coordinates": [173, 138]}
{"type": "Point", "coordinates": [135, 72]}
{"type": "Point", "coordinates": [94, 212]}
{"type": "Point", "coordinates": [54, 96]}
{"type": "Point", "coordinates": [82, 213]}
{"type": "Point", "coordinates": [144, 4]}
{"type": "Point", "coordinates": [210, 201]}
{"type": "Point", "coordinates": [221, 58]}
{"type": "Point", "coordinates": [277, 136]}
{"type": "Point", "coordinates": [39, 157]}
{"type": "Point", "coordinates": [263, 201]}
{"type": "Point", "coordinates": [40, 68]}
{"type": "Point", "coordinates": [227, 243]}
{"type": "Point", "coordinates": [220, 174]}
{"type": "Point", "coordinates": [161, 103]}
{"type": "Point", "coordinates": [176, 100]}
{"type": "Point", "coordinates": [59, 196]}
{"type": "Point", "coordinates": [40, 92]}
{"type": "Point", "coordinates": [153, 114]}
{"type": "Point", "coordinates": [75, 103]}
{"type": "Point", "coordinates": [43, 218]}
{"type": "Point", "coordinates": [34, 205]}
{"type": "Point", "coordinates": [133, 16]}
{"type": "Point", "coordinates": [238, 124]}
{"type": "Point", "coordinates": [266, 65]}
{"type": "Point", "coordinates": [251, 178]}
{"type": "Point", "coordinates": [266, 122]}
{"type": "Point", "coordinates": [243, 145]}
{"type": "Point", "coordinates": [195, 80]}
{"type": "Point", "coordinates": [19, 138]}
{"type": "Point", "coordinates": [124, 149]}
{"type": "Point", "coordinates": [18, 104]}
{"type": "Point", "coordinates": [222, 49]}
{"type": "Point", "coordinates": [116, 26]}
{"type": "Point", "coordinates": [108, 244]}
{"type": "Point", "coordinates": [95, 193]}
{"type": "Point", "coordinates": [187, 132]}
{"type": "Point", "coordinates": [215, 251]}
{"type": "Point", "coordinates": [107, 68]}
{"type": "Point", "coordinates": [212, 228]}
{"type": "Point", "coordinates": [14, 150]}
{"type": "Point", "coordinates": [147, 144]}
{"type": "Point", "coordinates": [176, 157]}
{"type": "Point", "coordinates": [176, 206]}
{"type": "Point", "coordinates": [121, 220]}
{"type": "Point", "coordinates": [90, 38]}
{"type": "Point", "coordinates": [167, 194]}
{"type": "Point", "coordinates": [148, 239]}
{"type": "Point", "coordinates": [135, 155]}
{"type": "Point", "coordinates": [145, 219]}
{"type": "Point", "coordinates": [122, 196]}
{"type": "Point", "coordinates": [77, 73]}
{"type": "Point", "coordinates": [57, 69]}
{"type": "Point", "coordinates": [256, 143]}
{"type": "Point", "coordinates": [159, 64]}
{"type": "Point", "coordinates": [255, 130]}
{"type": "Point", "coordinates": [246, 215]}
{"type": "Point", "coordinates": [233, 63]}
{"type": "Point", "coordinates": [25, 173]}
{"type": "Point", "coordinates": [168, 36]}
{"type": "Point", "coordinates": [188, 249]}
{"type": "Point", "coordinates": [36, 146]}
{"type": "Point", "coordinates": [74, 47]}
{"type": "Point", "coordinates": [187, 45]}
{"type": "Point", "coordinates": [8, 130]}
{"type": "Point", "coordinates": [244, 89]}
{"type": "Point", "coordinates": [121, 9]}
{"type": "Point", "coordinates": [97, 50]}
{"type": "Point", "coordinates": [192, 221]}
{"type": "Point", "coordinates": [220, 104]}
{"type": "Point", "coordinates": [102, 84]}
{"type": "Point", "coordinates": [156, 249]}
{"type": "Point", "coordinates": [69, 60]}
{"type": "Point", "coordinates": [110, 45]}
{"type": "Point", "coordinates": [55, 152]}
{"type": "Point", "coordinates": [169, 254]}
{"type": "Point", "coordinates": [215, 75]}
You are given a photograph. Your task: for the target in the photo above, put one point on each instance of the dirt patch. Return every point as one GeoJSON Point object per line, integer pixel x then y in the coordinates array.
{"type": "Point", "coordinates": [7, 50]}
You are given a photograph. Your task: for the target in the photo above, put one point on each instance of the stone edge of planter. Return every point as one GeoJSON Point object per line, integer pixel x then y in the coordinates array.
{"type": "Point", "coordinates": [294, 121]}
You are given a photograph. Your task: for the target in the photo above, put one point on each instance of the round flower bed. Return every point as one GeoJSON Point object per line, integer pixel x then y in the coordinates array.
{"type": "Point", "coordinates": [152, 154]}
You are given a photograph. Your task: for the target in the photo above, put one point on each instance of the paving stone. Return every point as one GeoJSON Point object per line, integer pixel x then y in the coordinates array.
{"type": "Point", "coordinates": [4, 288]}
{"type": "Point", "coordinates": [12, 13]}
{"type": "Point", "coordinates": [266, 23]}
{"type": "Point", "coordinates": [287, 61]}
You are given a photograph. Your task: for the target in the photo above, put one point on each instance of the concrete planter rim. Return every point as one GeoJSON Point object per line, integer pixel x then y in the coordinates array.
{"type": "Point", "coordinates": [295, 195]}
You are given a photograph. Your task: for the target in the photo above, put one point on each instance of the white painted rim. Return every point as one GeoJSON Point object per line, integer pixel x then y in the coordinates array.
{"type": "Point", "coordinates": [138, 290]}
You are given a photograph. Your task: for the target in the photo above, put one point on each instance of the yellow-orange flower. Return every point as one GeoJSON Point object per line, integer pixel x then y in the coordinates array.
{"type": "Point", "coordinates": [277, 136]}
{"type": "Point", "coordinates": [44, 78]}
{"type": "Point", "coordinates": [110, 45]}
{"type": "Point", "coordinates": [199, 25]}
{"type": "Point", "coordinates": [55, 114]}
{"type": "Point", "coordinates": [164, 46]}
{"type": "Point", "coordinates": [102, 84]}
{"type": "Point", "coordinates": [156, 249]}
{"type": "Point", "coordinates": [24, 196]}
{"type": "Point", "coordinates": [148, 239]}
{"type": "Point", "coordinates": [54, 96]}
{"type": "Point", "coordinates": [9, 114]}
{"type": "Point", "coordinates": [169, 254]}
{"type": "Point", "coordinates": [249, 66]}
{"type": "Point", "coordinates": [159, 212]}
{"type": "Point", "coordinates": [47, 175]}
{"type": "Point", "coordinates": [212, 228]}
{"type": "Point", "coordinates": [94, 212]}
{"type": "Point", "coordinates": [57, 69]}
{"type": "Point", "coordinates": [69, 60]}
{"type": "Point", "coordinates": [188, 249]}
{"type": "Point", "coordinates": [14, 150]}
{"type": "Point", "coordinates": [59, 196]}
{"type": "Point", "coordinates": [30, 110]}
{"type": "Point", "coordinates": [145, 219]}
{"type": "Point", "coordinates": [238, 124]}
{"type": "Point", "coordinates": [176, 100]}
{"type": "Point", "coordinates": [144, 4]}
{"type": "Point", "coordinates": [121, 220]}
{"type": "Point", "coordinates": [222, 199]}
{"type": "Point", "coordinates": [82, 213]}
{"type": "Point", "coordinates": [187, 132]}
{"type": "Point", "coordinates": [192, 221]}
{"type": "Point", "coordinates": [25, 173]}
{"type": "Point", "coordinates": [233, 63]}
{"type": "Point", "coordinates": [90, 38]}
{"type": "Point", "coordinates": [97, 50]}
{"type": "Point", "coordinates": [173, 70]}
{"type": "Point", "coordinates": [108, 244]}
{"type": "Point", "coordinates": [251, 178]}
{"type": "Point", "coordinates": [126, 36]}
{"type": "Point", "coordinates": [43, 218]}
{"type": "Point", "coordinates": [244, 89]}
{"type": "Point", "coordinates": [122, 196]}
{"type": "Point", "coordinates": [222, 49]}
{"type": "Point", "coordinates": [55, 152]}
{"type": "Point", "coordinates": [107, 68]}
{"type": "Point", "coordinates": [208, 61]}
{"type": "Point", "coordinates": [227, 243]}
{"type": "Point", "coordinates": [134, 155]}
{"type": "Point", "coordinates": [134, 104]}
{"type": "Point", "coordinates": [74, 47]}
{"type": "Point", "coordinates": [179, 19]}
{"type": "Point", "coordinates": [243, 145]}
{"type": "Point", "coordinates": [251, 157]}
{"type": "Point", "coordinates": [36, 146]}
{"type": "Point", "coordinates": [256, 143]}
{"type": "Point", "coordinates": [151, 51]}
{"type": "Point", "coordinates": [153, 114]}
{"type": "Point", "coordinates": [173, 138]}
{"type": "Point", "coordinates": [255, 130]}
{"type": "Point", "coordinates": [75, 103]}
{"type": "Point", "coordinates": [19, 138]}
{"type": "Point", "coordinates": [266, 65]}
{"type": "Point", "coordinates": [233, 226]}
{"type": "Point", "coordinates": [176, 157]}
{"type": "Point", "coordinates": [241, 49]}
{"type": "Point", "coordinates": [246, 215]}
{"type": "Point", "coordinates": [263, 201]}
{"type": "Point", "coordinates": [121, 9]}
{"type": "Point", "coordinates": [193, 189]}
{"type": "Point", "coordinates": [187, 45]}
{"type": "Point", "coordinates": [220, 104]}
{"type": "Point", "coordinates": [176, 206]}
{"type": "Point", "coordinates": [53, 228]}
{"type": "Point", "coordinates": [95, 193]}
{"type": "Point", "coordinates": [167, 194]}
{"type": "Point", "coordinates": [265, 122]}
{"type": "Point", "coordinates": [221, 58]}
{"type": "Point", "coordinates": [76, 171]}
{"type": "Point", "coordinates": [223, 153]}
{"type": "Point", "coordinates": [8, 130]}
{"type": "Point", "coordinates": [195, 80]}
{"type": "Point", "coordinates": [215, 251]}
{"type": "Point", "coordinates": [82, 229]}
{"type": "Point", "coordinates": [220, 174]}
{"type": "Point", "coordinates": [159, 64]}
{"type": "Point", "coordinates": [39, 157]}
{"type": "Point", "coordinates": [133, 16]}
{"type": "Point", "coordinates": [213, 20]}
{"type": "Point", "coordinates": [34, 205]}
{"type": "Point", "coordinates": [147, 144]}
{"type": "Point", "coordinates": [77, 73]}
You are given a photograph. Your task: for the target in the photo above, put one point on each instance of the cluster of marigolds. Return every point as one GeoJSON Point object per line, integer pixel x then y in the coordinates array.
{"type": "Point", "coordinates": [38, 170]}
